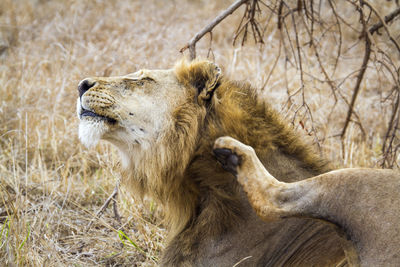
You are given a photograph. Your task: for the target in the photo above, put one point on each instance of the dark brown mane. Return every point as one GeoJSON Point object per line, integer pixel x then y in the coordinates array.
{"type": "Point", "coordinates": [244, 115]}
{"type": "Point", "coordinates": [236, 111]}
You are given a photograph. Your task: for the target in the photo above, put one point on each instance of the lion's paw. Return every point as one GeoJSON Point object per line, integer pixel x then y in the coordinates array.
{"type": "Point", "coordinates": [230, 153]}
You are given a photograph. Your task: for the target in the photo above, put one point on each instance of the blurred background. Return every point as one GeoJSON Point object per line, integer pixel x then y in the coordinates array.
{"type": "Point", "coordinates": [305, 58]}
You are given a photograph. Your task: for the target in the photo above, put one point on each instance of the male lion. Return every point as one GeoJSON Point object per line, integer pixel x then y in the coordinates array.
{"type": "Point", "coordinates": [164, 123]}
{"type": "Point", "coordinates": [363, 203]}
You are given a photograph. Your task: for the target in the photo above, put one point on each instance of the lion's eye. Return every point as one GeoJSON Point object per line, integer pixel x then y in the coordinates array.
{"type": "Point", "coordinates": [139, 83]}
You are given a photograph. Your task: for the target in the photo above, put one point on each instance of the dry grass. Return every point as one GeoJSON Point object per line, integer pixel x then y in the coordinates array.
{"type": "Point", "coordinates": [50, 186]}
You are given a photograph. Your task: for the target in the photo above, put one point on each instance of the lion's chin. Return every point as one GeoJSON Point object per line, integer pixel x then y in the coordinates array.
{"type": "Point", "coordinates": [91, 131]}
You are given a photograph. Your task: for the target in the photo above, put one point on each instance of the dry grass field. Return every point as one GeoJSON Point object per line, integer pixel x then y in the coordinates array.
{"type": "Point", "coordinates": [51, 186]}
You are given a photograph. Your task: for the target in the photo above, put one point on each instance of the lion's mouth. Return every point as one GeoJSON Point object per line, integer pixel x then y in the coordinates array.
{"type": "Point", "coordinates": [88, 113]}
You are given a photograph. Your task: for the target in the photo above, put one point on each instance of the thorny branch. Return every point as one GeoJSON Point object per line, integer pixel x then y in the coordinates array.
{"type": "Point", "coordinates": [303, 27]}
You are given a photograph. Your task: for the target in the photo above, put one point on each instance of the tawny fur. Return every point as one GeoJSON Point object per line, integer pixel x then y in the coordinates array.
{"type": "Point", "coordinates": [363, 203]}
{"type": "Point", "coordinates": [209, 217]}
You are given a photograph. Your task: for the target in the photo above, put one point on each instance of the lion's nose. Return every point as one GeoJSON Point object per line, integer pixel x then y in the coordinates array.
{"type": "Point", "coordinates": [85, 85]}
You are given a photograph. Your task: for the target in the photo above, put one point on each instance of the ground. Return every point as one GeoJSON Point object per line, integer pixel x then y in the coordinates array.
{"type": "Point", "coordinates": [51, 186]}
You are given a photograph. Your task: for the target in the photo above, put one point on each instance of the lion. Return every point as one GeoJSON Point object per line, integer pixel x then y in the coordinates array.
{"type": "Point", "coordinates": [164, 124]}
{"type": "Point", "coordinates": [363, 203]}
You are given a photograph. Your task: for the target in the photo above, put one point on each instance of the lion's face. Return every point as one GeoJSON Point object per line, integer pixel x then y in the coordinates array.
{"type": "Point", "coordinates": [131, 110]}
{"type": "Point", "coordinates": [138, 111]}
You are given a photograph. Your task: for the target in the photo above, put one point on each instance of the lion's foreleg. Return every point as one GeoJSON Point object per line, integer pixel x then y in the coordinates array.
{"type": "Point", "coordinates": [270, 198]}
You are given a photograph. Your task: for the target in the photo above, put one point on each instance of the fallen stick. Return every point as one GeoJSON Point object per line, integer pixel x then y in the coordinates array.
{"type": "Point", "coordinates": [105, 205]}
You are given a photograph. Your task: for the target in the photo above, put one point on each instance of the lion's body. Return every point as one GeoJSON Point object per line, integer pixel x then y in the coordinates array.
{"type": "Point", "coordinates": [211, 221]}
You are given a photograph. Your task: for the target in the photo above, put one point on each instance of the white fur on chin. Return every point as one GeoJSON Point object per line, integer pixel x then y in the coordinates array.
{"type": "Point", "coordinates": [90, 132]}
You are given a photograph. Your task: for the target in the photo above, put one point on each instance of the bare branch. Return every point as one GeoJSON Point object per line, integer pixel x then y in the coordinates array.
{"type": "Point", "coordinates": [252, 8]}
{"type": "Point", "coordinates": [391, 132]}
{"type": "Point", "coordinates": [387, 19]}
{"type": "Point", "coordinates": [360, 76]}
{"type": "Point", "coordinates": [383, 22]}
{"type": "Point", "coordinates": [192, 43]}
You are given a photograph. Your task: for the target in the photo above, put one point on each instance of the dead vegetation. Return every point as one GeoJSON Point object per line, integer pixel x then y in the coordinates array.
{"type": "Point", "coordinates": [332, 69]}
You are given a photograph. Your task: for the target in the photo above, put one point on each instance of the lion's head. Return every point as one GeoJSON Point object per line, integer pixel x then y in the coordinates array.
{"type": "Point", "coordinates": [137, 111]}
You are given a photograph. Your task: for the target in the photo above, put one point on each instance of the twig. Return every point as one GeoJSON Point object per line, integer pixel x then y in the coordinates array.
{"type": "Point", "coordinates": [210, 51]}
{"type": "Point", "coordinates": [393, 125]}
{"type": "Point", "coordinates": [115, 208]}
{"type": "Point", "coordinates": [360, 75]}
{"type": "Point", "coordinates": [328, 79]}
{"type": "Point", "coordinates": [273, 65]}
{"type": "Point", "coordinates": [192, 43]}
{"type": "Point", "coordinates": [383, 21]}
{"type": "Point", "coordinates": [105, 205]}
{"type": "Point", "coordinates": [340, 35]}
{"type": "Point", "coordinates": [252, 7]}
{"type": "Point", "coordinates": [387, 19]}
{"type": "Point", "coordinates": [242, 260]}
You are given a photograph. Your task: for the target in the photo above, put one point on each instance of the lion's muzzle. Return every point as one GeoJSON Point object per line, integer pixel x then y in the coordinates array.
{"type": "Point", "coordinates": [84, 86]}
{"type": "Point", "coordinates": [84, 109]}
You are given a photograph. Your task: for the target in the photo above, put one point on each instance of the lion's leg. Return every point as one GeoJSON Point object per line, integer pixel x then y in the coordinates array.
{"type": "Point", "coordinates": [269, 197]}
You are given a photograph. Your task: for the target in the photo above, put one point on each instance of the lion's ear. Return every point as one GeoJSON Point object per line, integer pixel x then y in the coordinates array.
{"type": "Point", "coordinates": [207, 85]}
{"type": "Point", "coordinates": [203, 75]}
